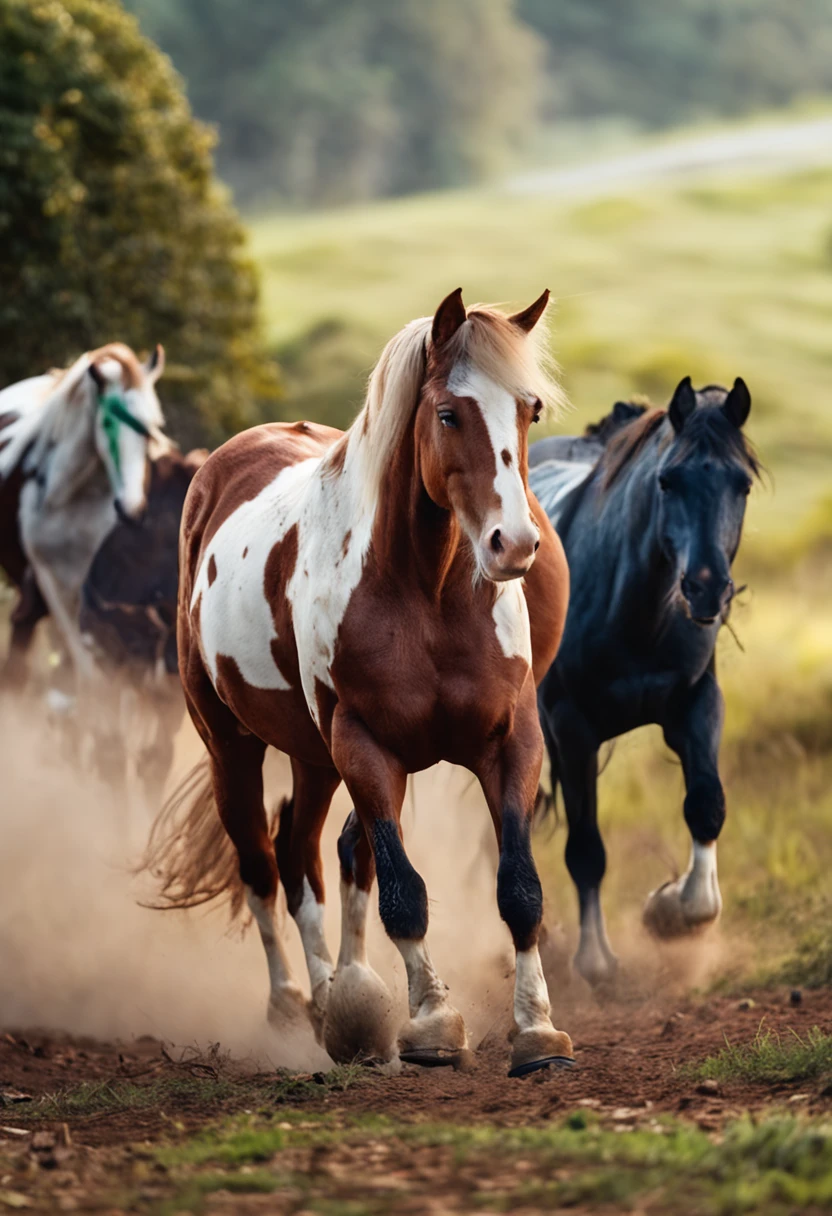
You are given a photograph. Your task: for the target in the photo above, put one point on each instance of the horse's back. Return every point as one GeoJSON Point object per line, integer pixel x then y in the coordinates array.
{"type": "Point", "coordinates": [239, 470]}
{"type": "Point", "coordinates": [582, 448]}
{"type": "Point", "coordinates": [553, 481]}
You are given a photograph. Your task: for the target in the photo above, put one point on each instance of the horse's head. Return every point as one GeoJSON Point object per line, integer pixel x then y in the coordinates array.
{"type": "Point", "coordinates": [128, 421]}
{"type": "Point", "coordinates": [482, 391]}
{"type": "Point", "coordinates": [704, 477]}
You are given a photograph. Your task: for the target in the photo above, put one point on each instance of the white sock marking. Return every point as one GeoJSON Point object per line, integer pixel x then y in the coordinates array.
{"type": "Point", "coordinates": [531, 996]}
{"type": "Point", "coordinates": [309, 919]}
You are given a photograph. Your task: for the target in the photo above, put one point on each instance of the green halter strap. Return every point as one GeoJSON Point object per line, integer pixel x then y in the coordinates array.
{"type": "Point", "coordinates": [113, 413]}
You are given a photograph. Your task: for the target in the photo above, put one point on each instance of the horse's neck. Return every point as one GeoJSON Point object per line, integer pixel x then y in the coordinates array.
{"type": "Point", "coordinates": [70, 463]}
{"type": "Point", "coordinates": [642, 579]}
{"type": "Point", "coordinates": [413, 538]}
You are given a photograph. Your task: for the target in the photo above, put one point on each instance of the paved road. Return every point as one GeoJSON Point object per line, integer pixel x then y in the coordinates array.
{"type": "Point", "coordinates": [772, 148]}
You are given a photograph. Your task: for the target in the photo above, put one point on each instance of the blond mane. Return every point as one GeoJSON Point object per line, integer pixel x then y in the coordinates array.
{"type": "Point", "coordinates": [487, 340]}
{"type": "Point", "coordinates": [56, 421]}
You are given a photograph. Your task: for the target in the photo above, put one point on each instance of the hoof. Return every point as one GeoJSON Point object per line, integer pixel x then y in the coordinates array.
{"type": "Point", "coordinates": [439, 1034]}
{"type": "Point", "coordinates": [316, 1009]}
{"type": "Point", "coordinates": [599, 968]}
{"type": "Point", "coordinates": [540, 1047]}
{"type": "Point", "coordinates": [288, 1006]}
{"type": "Point", "coordinates": [360, 1021]}
{"type": "Point", "coordinates": [438, 1057]}
{"type": "Point", "coordinates": [431, 1057]}
{"type": "Point", "coordinates": [524, 1070]}
{"type": "Point", "coordinates": [667, 914]}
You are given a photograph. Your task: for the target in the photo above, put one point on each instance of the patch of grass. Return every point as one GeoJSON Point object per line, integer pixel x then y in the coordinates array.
{"type": "Point", "coordinates": [770, 1058]}
{"type": "Point", "coordinates": [178, 1092]}
{"type": "Point", "coordinates": [770, 1166]}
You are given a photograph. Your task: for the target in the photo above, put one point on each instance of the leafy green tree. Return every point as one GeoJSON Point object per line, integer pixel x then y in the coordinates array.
{"type": "Point", "coordinates": [111, 223]}
{"type": "Point", "coordinates": [327, 100]}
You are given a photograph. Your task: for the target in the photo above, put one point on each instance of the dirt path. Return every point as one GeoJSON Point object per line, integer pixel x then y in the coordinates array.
{"type": "Point", "coordinates": [627, 1059]}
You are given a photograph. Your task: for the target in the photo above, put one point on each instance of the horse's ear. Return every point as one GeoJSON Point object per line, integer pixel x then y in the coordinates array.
{"type": "Point", "coordinates": [95, 373]}
{"type": "Point", "coordinates": [682, 405]}
{"type": "Point", "coordinates": [737, 405]}
{"type": "Point", "coordinates": [155, 364]}
{"type": "Point", "coordinates": [449, 316]}
{"type": "Point", "coordinates": [529, 317]}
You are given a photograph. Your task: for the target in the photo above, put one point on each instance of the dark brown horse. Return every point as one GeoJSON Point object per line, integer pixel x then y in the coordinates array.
{"type": "Point", "coordinates": [128, 619]}
{"type": "Point", "coordinates": [372, 603]}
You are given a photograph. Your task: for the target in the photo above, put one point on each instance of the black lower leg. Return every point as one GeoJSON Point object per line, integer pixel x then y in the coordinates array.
{"type": "Point", "coordinates": [705, 807]}
{"type": "Point", "coordinates": [519, 894]}
{"type": "Point", "coordinates": [402, 895]}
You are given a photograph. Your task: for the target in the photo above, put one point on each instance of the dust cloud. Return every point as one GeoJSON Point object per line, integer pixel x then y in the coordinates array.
{"type": "Point", "coordinates": [78, 953]}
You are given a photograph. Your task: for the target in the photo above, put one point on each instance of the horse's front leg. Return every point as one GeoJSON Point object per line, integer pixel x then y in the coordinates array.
{"type": "Point", "coordinates": [360, 1015]}
{"type": "Point", "coordinates": [509, 779]}
{"type": "Point", "coordinates": [376, 779]}
{"type": "Point", "coordinates": [63, 602]}
{"type": "Point", "coordinates": [693, 730]}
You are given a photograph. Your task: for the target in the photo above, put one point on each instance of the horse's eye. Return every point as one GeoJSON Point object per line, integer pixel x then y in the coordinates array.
{"type": "Point", "coordinates": [746, 486]}
{"type": "Point", "coordinates": [448, 418]}
{"type": "Point", "coordinates": [664, 483]}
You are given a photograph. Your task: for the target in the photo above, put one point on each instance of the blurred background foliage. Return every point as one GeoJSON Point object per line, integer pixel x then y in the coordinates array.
{"type": "Point", "coordinates": [111, 223]}
{"type": "Point", "coordinates": [331, 100]}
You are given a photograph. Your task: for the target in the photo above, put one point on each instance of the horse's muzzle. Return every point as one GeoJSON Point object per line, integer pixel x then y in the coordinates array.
{"type": "Point", "coordinates": [707, 598]}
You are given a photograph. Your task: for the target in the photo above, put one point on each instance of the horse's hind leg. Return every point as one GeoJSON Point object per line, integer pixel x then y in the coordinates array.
{"type": "Point", "coordinates": [586, 858]}
{"type": "Point", "coordinates": [694, 729]}
{"type": "Point", "coordinates": [360, 1016]}
{"type": "Point", "coordinates": [377, 781]}
{"type": "Point", "coordinates": [236, 760]}
{"type": "Point", "coordinates": [298, 850]}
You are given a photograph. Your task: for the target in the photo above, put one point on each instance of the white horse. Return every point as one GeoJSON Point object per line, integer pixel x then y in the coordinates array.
{"type": "Point", "coordinates": [74, 447]}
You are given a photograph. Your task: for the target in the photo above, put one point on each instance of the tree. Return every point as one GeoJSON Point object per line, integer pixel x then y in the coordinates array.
{"type": "Point", "coordinates": [111, 223]}
{"type": "Point", "coordinates": [327, 100]}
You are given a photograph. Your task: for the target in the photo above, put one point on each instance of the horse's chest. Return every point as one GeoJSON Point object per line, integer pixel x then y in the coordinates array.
{"type": "Point", "coordinates": [432, 684]}
{"type": "Point", "coordinates": [68, 537]}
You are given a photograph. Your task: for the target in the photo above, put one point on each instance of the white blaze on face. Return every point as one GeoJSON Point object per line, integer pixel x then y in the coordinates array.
{"type": "Point", "coordinates": [133, 456]}
{"type": "Point", "coordinates": [499, 411]}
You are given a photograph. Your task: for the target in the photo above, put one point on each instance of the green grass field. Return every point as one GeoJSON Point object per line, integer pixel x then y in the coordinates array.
{"type": "Point", "coordinates": [717, 279]}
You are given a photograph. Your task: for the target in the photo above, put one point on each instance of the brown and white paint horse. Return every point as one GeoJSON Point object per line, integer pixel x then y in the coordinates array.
{"type": "Point", "coordinates": [74, 447]}
{"type": "Point", "coordinates": [371, 603]}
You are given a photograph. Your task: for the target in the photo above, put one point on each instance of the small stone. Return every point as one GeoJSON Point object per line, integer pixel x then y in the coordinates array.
{"type": "Point", "coordinates": [624, 1114]}
{"type": "Point", "coordinates": [746, 1004]}
{"type": "Point", "coordinates": [795, 996]}
{"type": "Point", "coordinates": [799, 1098]}
{"type": "Point", "coordinates": [709, 1087]}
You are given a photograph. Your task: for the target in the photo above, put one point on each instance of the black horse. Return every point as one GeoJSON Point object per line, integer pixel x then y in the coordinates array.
{"type": "Point", "coordinates": [651, 520]}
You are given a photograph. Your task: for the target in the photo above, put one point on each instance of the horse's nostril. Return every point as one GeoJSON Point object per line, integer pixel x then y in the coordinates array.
{"type": "Point", "coordinates": [496, 543]}
{"type": "Point", "coordinates": [536, 545]}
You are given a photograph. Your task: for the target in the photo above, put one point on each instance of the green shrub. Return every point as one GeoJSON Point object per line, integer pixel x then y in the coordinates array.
{"type": "Point", "coordinates": [111, 223]}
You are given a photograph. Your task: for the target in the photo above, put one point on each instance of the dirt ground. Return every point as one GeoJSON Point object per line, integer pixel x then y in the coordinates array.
{"type": "Point", "coordinates": [630, 1074]}
{"type": "Point", "coordinates": [627, 1058]}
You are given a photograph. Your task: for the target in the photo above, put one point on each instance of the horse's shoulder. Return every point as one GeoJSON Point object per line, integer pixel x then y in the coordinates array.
{"type": "Point", "coordinates": [245, 465]}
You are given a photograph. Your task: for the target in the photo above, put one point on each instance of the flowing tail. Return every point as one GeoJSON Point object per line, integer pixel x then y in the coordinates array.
{"type": "Point", "coordinates": [189, 853]}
